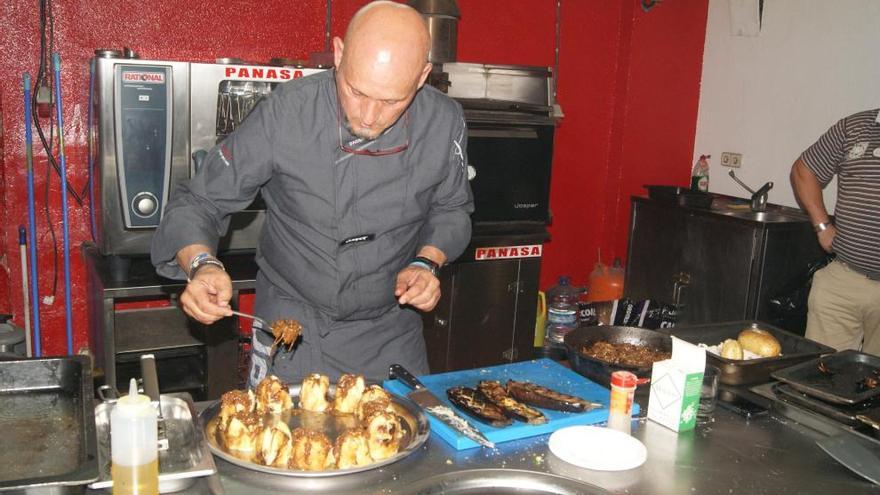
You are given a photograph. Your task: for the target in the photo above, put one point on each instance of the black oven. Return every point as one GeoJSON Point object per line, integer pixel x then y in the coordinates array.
{"type": "Point", "coordinates": [510, 170]}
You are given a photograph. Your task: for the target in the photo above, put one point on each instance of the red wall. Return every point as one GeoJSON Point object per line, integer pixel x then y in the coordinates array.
{"type": "Point", "coordinates": [628, 85]}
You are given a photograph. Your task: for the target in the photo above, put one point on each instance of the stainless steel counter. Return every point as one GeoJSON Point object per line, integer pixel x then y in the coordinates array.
{"type": "Point", "coordinates": [726, 456]}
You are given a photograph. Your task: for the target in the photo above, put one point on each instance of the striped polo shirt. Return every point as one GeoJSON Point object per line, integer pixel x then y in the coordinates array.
{"type": "Point", "coordinates": [851, 150]}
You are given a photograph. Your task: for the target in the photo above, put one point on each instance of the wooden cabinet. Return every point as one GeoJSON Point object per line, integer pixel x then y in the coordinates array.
{"type": "Point", "coordinates": [716, 266]}
{"type": "Point", "coordinates": [486, 314]}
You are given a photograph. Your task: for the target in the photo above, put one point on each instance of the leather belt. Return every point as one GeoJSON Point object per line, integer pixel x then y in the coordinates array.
{"type": "Point", "coordinates": [869, 274]}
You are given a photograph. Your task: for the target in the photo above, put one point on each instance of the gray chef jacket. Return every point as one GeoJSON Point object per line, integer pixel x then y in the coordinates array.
{"type": "Point", "coordinates": [317, 198]}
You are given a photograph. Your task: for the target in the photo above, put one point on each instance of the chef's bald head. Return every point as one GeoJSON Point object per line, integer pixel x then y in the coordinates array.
{"type": "Point", "coordinates": [381, 64]}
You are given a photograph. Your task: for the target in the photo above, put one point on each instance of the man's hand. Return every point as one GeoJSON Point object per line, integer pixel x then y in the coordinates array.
{"type": "Point", "coordinates": [207, 295]}
{"type": "Point", "coordinates": [418, 287]}
{"type": "Point", "coordinates": [826, 237]}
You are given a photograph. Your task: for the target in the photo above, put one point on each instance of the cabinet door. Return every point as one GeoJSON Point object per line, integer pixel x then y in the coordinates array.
{"type": "Point", "coordinates": [718, 259]}
{"type": "Point", "coordinates": [437, 323]}
{"type": "Point", "coordinates": [483, 313]}
{"type": "Point", "coordinates": [656, 251]}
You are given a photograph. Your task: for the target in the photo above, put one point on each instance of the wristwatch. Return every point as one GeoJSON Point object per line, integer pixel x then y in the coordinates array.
{"type": "Point", "coordinates": [200, 260]}
{"type": "Point", "coordinates": [819, 227]}
{"type": "Point", "coordinates": [426, 263]}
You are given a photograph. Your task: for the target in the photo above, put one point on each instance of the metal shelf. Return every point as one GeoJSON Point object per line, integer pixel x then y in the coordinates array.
{"type": "Point", "coordinates": [147, 330]}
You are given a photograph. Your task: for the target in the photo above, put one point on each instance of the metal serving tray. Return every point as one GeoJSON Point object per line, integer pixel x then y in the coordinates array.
{"type": "Point", "coordinates": [187, 457]}
{"type": "Point", "coordinates": [47, 419]}
{"type": "Point", "coordinates": [415, 428]}
{"type": "Point", "coordinates": [844, 413]}
{"type": "Point", "coordinates": [795, 349]}
{"type": "Point", "coordinates": [840, 386]}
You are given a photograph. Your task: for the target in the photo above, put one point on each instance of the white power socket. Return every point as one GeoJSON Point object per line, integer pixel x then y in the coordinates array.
{"type": "Point", "coordinates": [732, 160]}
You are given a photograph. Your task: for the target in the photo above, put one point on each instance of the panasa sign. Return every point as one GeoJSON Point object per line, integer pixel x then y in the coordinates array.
{"type": "Point", "coordinates": [243, 72]}
{"type": "Point", "coordinates": [507, 252]}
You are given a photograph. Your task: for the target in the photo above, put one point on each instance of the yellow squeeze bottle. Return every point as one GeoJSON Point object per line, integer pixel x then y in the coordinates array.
{"type": "Point", "coordinates": [134, 445]}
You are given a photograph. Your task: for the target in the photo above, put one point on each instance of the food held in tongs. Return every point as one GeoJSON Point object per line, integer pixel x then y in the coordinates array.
{"type": "Point", "coordinates": [543, 397]}
{"type": "Point", "coordinates": [285, 332]}
{"type": "Point", "coordinates": [495, 392]}
{"type": "Point", "coordinates": [478, 406]}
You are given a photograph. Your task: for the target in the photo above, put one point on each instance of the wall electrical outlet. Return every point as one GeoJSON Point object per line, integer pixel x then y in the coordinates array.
{"type": "Point", "coordinates": [733, 160]}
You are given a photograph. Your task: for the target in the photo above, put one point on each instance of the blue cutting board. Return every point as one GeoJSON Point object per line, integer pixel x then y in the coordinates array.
{"type": "Point", "coordinates": [544, 372]}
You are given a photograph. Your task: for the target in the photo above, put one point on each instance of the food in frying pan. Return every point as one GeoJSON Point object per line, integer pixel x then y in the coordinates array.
{"type": "Point", "coordinates": [241, 431]}
{"type": "Point", "coordinates": [538, 396]}
{"type": "Point", "coordinates": [273, 395]}
{"type": "Point", "coordinates": [236, 401]}
{"type": "Point", "coordinates": [285, 332]}
{"type": "Point", "coordinates": [383, 434]}
{"type": "Point", "coordinates": [249, 423]}
{"type": "Point", "coordinates": [478, 406]}
{"type": "Point", "coordinates": [276, 445]}
{"type": "Point", "coordinates": [351, 449]}
{"type": "Point", "coordinates": [313, 393]}
{"type": "Point", "coordinates": [349, 390]}
{"type": "Point", "coordinates": [496, 393]}
{"type": "Point", "coordinates": [639, 356]}
{"type": "Point", "coordinates": [759, 341]}
{"type": "Point", "coordinates": [731, 349]}
{"type": "Point", "coordinates": [312, 451]}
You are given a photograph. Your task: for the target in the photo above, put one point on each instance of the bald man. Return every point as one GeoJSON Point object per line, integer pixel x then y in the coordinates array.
{"type": "Point", "coordinates": [363, 171]}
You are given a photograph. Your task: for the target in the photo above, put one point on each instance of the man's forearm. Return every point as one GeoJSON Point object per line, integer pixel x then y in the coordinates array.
{"type": "Point", "coordinates": [808, 191]}
{"type": "Point", "coordinates": [186, 254]}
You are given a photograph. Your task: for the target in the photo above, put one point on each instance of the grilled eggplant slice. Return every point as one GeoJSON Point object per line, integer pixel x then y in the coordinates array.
{"type": "Point", "coordinates": [538, 396]}
{"type": "Point", "coordinates": [476, 405]}
{"type": "Point", "coordinates": [495, 392]}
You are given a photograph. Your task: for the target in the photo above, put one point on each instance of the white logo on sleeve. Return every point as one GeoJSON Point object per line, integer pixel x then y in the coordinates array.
{"type": "Point", "coordinates": [458, 151]}
{"type": "Point", "coordinates": [858, 150]}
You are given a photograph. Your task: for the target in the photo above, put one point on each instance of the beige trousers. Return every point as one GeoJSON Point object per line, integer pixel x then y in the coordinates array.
{"type": "Point", "coordinates": [844, 310]}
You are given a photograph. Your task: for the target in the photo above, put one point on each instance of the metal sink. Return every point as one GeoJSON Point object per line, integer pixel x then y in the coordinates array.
{"type": "Point", "coordinates": [774, 214]}
{"type": "Point", "coordinates": [501, 481]}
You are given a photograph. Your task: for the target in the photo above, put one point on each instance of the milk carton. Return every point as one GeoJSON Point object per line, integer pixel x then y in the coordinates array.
{"type": "Point", "coordinates": [675, 387]}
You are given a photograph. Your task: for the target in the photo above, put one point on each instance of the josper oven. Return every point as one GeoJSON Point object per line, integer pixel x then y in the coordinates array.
{"type": "Point", "coordinates": [152, 120]}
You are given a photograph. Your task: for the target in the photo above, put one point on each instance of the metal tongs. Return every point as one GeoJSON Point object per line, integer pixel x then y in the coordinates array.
{"type": "Point", "coordinates": [759, 197]}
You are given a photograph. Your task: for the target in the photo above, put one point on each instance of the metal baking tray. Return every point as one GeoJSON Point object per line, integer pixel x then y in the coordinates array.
{"type": "Point", "coordinates": [795, 349]}
{"type": "Point", "coordinates": [187, 456]}
{"type": "Point", "coordinates": [47, 420]}
{"type": "Point", "coordinates": [600, 371]}
{"type": "Point", "coordinates": [844, 413]}
{"type": "Point", "coordinates": [840, 386]}
{"type": "Point", "coordinates": [415, 429]}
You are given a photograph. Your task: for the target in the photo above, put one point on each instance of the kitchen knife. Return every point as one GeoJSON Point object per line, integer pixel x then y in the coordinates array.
{"type": "Point", "coordinates": [433, 406]}
{"type": "Point", "coordinates": [151, 389]}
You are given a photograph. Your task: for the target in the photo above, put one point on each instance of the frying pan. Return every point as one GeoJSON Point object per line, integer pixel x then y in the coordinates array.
{"type": "Point", "coordinates": [599, 370]}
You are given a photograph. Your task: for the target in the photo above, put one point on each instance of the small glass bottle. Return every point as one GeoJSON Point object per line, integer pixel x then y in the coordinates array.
{"type": "Point", "coordinates": [623, 388]}
{"type": "Point", "coordinates": [134, 447]}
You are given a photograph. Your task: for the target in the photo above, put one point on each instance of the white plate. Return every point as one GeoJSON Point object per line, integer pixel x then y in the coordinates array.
{"type": "Point", "coordinates": [598, 448]}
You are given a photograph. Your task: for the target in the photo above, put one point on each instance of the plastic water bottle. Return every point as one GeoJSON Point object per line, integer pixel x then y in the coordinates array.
{"type": "Point", "coordinates": [562, 317]}
{"type": "Point", "coordinates": [134, 447]}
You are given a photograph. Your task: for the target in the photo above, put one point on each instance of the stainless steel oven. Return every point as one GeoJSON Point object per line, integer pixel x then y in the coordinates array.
{"type": "Point", "coordinates": [151, 118]}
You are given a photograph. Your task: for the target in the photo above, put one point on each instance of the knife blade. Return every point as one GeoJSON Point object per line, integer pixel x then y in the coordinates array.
{"type": "Point", "coordinates": [151, 390]}
{"type": "Point", "coordinates": [433, 406]}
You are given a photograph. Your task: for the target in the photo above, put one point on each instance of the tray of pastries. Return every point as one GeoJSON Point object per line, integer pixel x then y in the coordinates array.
{"type": "Point", "coordinates": [314, 429]}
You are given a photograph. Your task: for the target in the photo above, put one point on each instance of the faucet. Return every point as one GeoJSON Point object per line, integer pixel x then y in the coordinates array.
{"type": "Point", "coordinates": [759, 197]}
